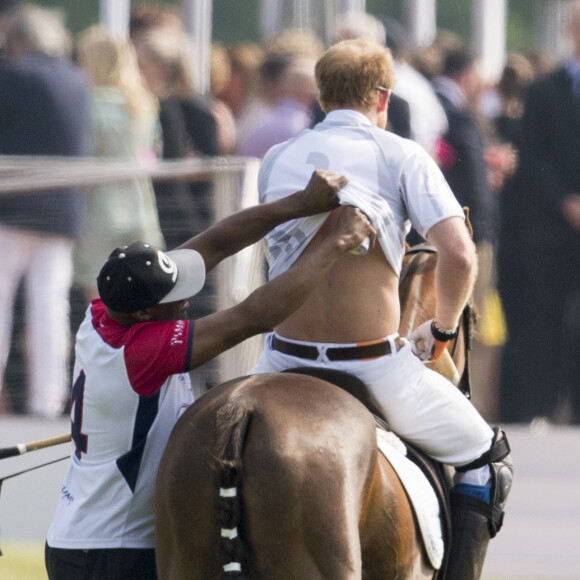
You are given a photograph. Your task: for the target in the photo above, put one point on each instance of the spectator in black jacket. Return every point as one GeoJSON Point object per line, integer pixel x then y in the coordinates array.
{"type": "Point", "coordinates": [541, 359]}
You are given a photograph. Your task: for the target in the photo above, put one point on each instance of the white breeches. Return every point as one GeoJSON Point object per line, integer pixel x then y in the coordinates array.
{"type": "Point", "coordinates": [419, 404]}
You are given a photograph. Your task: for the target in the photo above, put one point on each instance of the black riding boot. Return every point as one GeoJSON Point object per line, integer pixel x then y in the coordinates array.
{"type": "Point", "coordinates": [469, 539]}
{"type": "Point", "coordinates": [473, 521]}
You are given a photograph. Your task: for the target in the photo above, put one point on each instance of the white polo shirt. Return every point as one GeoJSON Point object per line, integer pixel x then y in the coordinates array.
{"type": "Point", "coordinates": [398, 170]}
{"type": "Point", "coordinates": [130, 388]}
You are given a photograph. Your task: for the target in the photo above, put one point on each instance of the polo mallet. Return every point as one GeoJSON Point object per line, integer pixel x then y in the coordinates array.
{"type": "Point", "coordinates": [34, 445]}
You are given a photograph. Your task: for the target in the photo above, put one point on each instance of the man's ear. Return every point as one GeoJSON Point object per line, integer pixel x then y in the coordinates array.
{"type": "Point", "coordinates": [142, 315]}
{"type": "Point", "coordinates": [383, 102]}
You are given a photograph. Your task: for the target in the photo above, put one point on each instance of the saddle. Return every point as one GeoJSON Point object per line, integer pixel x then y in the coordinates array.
{"type": "Point", "coordinates": [436, 473]}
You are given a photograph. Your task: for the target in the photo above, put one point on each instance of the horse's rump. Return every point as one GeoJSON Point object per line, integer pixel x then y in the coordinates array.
{"type": "Point", "coordinates": [302, 457]}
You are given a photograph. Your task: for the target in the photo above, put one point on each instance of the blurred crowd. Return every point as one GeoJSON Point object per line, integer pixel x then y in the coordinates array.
{"type": "Point", "coordinates": [508, 147]}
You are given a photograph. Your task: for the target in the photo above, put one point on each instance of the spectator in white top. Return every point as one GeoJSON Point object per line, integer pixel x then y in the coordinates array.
{"type": "Point", "coordinates": [428, 119]}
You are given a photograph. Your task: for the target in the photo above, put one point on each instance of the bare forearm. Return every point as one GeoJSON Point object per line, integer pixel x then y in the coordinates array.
{"type": "Point", "coordinates": [267, 306]}
{"type": "Point", "coordinates": [274, 302]}
{"type": "Point", "coordinates": [282, 296]}
{"type": "Point", "coordinates": [454, 280]}
{"type": "Point", "coordinates": [250, 225]}
{"type": "Point", "coordinates": [241, 229]}
{"type": "Point", "coordinates": [261, 312]}
{"type": "Point", "coordinates": [456, 270]}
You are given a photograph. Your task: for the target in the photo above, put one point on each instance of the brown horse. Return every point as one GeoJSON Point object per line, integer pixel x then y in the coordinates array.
{"type": "Point", "coordinates": [278, 476]}
{"type": "Point", "coordinates": [314, 499]}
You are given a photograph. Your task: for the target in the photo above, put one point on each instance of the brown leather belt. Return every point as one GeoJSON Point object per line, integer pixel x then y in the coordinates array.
{"type": "Point", "coordinates": [336, 353]}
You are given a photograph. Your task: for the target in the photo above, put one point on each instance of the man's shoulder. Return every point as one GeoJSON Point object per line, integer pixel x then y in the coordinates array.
{"type": "Point", "coordinates": [111, 333]}
{"type": "Point", "coordinates": [197, 109]}
{"type": "Point", "coordinates": [43, 64]}
{"type": "Point", "coordinates": [397, 147]}
{"type": "Point", "coordinates": [118, 334]}
{"type": "Point", "coordinates": [47, 75]}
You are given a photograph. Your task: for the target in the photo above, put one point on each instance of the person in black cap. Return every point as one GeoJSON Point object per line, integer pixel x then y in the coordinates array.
{"type": "Point", "coordinates": [133, 351]}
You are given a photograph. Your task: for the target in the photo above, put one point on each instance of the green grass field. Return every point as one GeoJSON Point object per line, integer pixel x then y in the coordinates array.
{"type": "Point", "coordinates": [25, 561]}
{"type": "Point", "coordinates": [22, 561]}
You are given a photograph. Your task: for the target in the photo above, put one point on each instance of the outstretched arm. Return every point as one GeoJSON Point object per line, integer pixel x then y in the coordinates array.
{"type": "Point", "coordinates": [267, 306]}
{"type": "Point", "coordinates": [248, 226]}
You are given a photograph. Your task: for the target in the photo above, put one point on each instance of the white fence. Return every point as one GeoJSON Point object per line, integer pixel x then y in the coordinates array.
{"type": "Point", "coordinates": [234, 187]}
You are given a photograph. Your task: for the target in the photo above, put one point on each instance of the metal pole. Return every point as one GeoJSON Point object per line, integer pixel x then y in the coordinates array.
{"type": "Point", "coordinates": [197, 16]}
{"type": "Point", "coordinates": [552, 15]}
{"type": "Point", "coordinates": [318, 15]}
{"type": "Point", "coordinates": [421, 22]}
{"type": "Point", "coordinates": [270, 17]}
{"type": "Point", "coordinates": [353, 5]}
{"type": "Point", "coordinates": [488, 24]}
{"type": "Point", "coordinates": [114, 15]}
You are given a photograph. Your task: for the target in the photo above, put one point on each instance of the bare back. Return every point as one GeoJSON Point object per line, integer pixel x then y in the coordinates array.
{"type": "Point", "coordinates": [357, 301]}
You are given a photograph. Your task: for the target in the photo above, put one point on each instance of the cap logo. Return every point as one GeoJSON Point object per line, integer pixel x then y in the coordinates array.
{"type": "Point", "coordinates": [167, 265]}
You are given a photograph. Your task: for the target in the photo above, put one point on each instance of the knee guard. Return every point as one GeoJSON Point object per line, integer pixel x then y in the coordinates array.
{"type": "Point", "coordinates": [499, 460]}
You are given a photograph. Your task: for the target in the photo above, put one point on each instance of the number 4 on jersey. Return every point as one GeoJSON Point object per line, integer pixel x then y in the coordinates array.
{"type": "Point", "coordinates": [79, 438]}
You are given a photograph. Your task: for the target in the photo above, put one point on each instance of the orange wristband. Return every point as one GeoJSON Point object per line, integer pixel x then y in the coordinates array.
{"type": "Point", "coordinates": [438, 348]}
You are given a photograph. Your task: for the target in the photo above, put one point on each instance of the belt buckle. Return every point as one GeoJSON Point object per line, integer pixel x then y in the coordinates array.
{"type": "Point", "coordinates": [322, 355]}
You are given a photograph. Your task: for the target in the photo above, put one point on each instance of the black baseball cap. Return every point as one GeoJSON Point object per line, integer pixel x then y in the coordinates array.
{"type": "Point", "coordinates": [140, 275]}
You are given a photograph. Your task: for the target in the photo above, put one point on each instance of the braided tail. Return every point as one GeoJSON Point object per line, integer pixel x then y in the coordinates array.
{"type": "Point", "coordinates": [232, 420]}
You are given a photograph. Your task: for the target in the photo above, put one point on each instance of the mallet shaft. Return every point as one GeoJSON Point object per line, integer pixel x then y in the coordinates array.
{"type": "Point", "coordinates": [33, 445]}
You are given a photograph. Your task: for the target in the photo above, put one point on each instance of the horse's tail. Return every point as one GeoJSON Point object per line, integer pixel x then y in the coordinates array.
{"type": "Point", "coordinates": [233, 420]}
